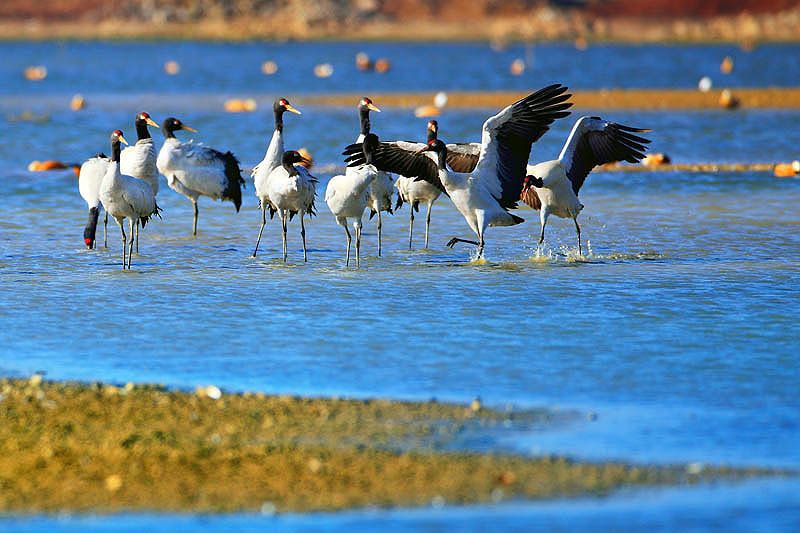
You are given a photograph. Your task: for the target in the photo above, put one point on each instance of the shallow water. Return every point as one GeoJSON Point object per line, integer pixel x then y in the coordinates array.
{"type": "Point", "coordinates": [675, 337]}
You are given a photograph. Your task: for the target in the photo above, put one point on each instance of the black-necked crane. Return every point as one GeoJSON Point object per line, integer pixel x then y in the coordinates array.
{"type": "Point", "coordinates": [272, 160]}
{"type": "Point", "coordinates": [138, 160]}
{"type": "Point", "coordinates": [552, 186]}
{"type": "Point", "coordinates": [195, 170]}
{"type": "Point", "coordinates": [346, 196]}
{"type": "Point", "coordinates": [381, 189]}
{"type": "Point", "coordinates": [484, 195]}
{"type": "Point", "coordinates": [124, 197]}
{"type": "Point", "coordinates": [292, 190]}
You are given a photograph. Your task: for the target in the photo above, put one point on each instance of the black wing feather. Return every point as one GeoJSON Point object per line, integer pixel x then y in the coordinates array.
{"type": "Point", "coordinates": [597, 147]}
{"type": "Point", "coordinates": [389, 157]}
{"type": "Point", "coordinates": [530, 118]}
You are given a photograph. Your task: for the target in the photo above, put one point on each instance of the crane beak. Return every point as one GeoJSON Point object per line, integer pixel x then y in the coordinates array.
{"type": "Point", "coordinates": [373, 107]}
{"type": "Point", "coordinates": [305, 161]}
{"type": "Point", "coordinates": [122, 140]}
{"type": "Point", "coordinates": [151, 122]}
{"type": "Point", "coordinates": [187, 128]}
{"type": "Point", "coordinates": [291, 109]}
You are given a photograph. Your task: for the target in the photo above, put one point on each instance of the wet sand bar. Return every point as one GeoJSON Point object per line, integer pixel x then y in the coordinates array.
{"type": "Point", "coordinates": [106, 448]}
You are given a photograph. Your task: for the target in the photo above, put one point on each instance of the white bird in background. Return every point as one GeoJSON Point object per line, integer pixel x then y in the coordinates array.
{"type": "Point", "coordinates": [379, 192]}
{"type": "Point", "coordinates": [126, 197]}
{"type": "Point", "coordinates": [346, 196]}
{"type": "Point", "coordinates": [138, 161]}
{"type": "Point", "coordinates": [292, 189]}
{"type": "Point", "coordinates": [272, 160]}
{"type": "Point", "coordinates": [552, 186]}
{"type": "Point", "coordinates": [485, 195]}
{"type": "Point", "coordinates": [194, 170]}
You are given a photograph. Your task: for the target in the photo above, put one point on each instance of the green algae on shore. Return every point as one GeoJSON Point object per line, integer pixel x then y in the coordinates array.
{"type": "Point", "coordinates": [103, 448]}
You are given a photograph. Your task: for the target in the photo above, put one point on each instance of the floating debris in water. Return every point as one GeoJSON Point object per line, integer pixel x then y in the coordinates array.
{"type": "Point", "coordinates": [705, 84]}
{"type": "Point", "coordinates": [656, 159]}
{"type": "Point", "coordinates": [269, 68]}
{"type": "Point", "coordinates": [35, 73]}
{"type": "Point", "coordinates": [77, 103]}
{"type": "Point", "coordinates": [363, 61]}
{"type": "Point", "coordinates": [517, 67]}
{"type": "Point", "coordinates": [726, 67]}
{"type": "Point", "coordinates": [787, 170]}
{"type": "Point", "coordinates": [382, 66]}
{"type": "Point", "coordinates": [323, 70]}
{"type": "Point", "coordinates": [239, 105]}
{"type": "Point", "coordinates": [172, 68]}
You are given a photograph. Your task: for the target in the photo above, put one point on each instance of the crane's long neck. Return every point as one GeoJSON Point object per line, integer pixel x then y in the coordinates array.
{"type": "Point", "coordinates": [115, 151]}
{"type": "Point", "coordinates": [431, 134]}
{"type": "Point", "coordinates": [169, 133]}
{"type": "Point", "coordinates": [279, 119]}
{"type": "Point", "coordinates": [141, 130]}
{"type": "Point", "coordinates": [364, 116]}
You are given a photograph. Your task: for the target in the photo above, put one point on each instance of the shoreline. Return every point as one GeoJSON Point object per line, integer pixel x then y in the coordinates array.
{"type": "Point", "coordinates": [102, 448]}
{"type": "Point", "coordinates": [535, 26]}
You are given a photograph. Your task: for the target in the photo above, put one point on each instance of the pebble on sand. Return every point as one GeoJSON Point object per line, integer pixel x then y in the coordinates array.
{"type": "Point", "coordinates": [240, 105]}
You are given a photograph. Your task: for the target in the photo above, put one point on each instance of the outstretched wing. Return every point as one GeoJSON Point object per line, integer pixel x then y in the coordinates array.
{"type": "Point", "coordinates": [508, 136]}
{"type": "Point", "coordinates": [463, 157]}
{"type": "Point", "coordinates": [594, 141]}
{"type": "Point", "coordinates": [399, 157]}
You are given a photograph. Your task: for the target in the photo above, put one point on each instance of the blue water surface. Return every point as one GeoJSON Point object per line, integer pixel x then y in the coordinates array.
{"type": "Point", "coordinates": [675, 339]}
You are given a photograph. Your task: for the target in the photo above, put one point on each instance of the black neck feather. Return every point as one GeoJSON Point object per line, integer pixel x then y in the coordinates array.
{"type": "Point", "coordinates": [279, 118]}
{"type": "Point", "coordinates": [141, 129]}
{"type": "Point", "coordinates": [115, 150]}
{"type": "Point", "coordinates": [364, 114]}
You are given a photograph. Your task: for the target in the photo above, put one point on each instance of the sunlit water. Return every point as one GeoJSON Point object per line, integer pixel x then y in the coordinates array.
{"type": "Point", "coordinates": [674, 338]}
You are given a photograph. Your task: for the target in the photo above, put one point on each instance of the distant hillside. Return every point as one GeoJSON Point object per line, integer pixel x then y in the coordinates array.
{"type": "Point", "coordinates": [632, 20]}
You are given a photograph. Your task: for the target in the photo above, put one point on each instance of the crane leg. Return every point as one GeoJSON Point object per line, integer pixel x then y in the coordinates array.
{"type": "Point", "coordinates": [380, 226]}
{"type": "Point", "coordinates": [124, 245]}
{"type": "Point", "coordinates": [137, 235]}
{"type": "Point", "coordinates": [130, 250]}
{"type": "Point", "coordinates": [411, 226]}
{"type": "Point", "coordinates": [349, 240]}
{"type": "Point", "coordinates": [260, 231]}
{"type": "Point", "coordinates": [105, 230]}
{"type": "Point", "coordinates": [428, 223]}
{"type": "Point", "coordinates": [303, 234]}
{"type": "Point", "coordinates": [452, 242]}
{"type": "Point", "coordinates": [358, 246]}
{"type": "Point", "coordinates": [284, 215]}
{"type": "Point", "coordinates": [578, 229]}
{"type": "Point", "coordinates": [194, 223]}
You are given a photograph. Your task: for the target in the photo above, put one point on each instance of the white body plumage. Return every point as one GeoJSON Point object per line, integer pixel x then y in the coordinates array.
{"type": "Point", "coordinates": [192, 169]}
